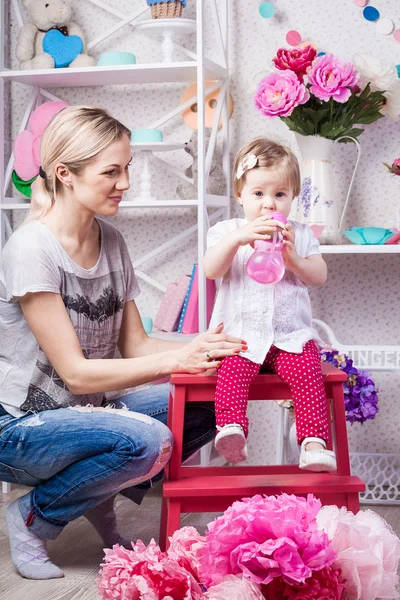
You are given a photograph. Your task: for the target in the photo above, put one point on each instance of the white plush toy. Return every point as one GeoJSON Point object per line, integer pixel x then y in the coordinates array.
{"type": "Point", "coordinates": [64, 48]}
{"type": "Point", "coordinates": [216, 181]}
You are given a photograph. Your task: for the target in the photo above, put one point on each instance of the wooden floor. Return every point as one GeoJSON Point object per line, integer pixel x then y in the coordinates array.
{"type": "Point", "coordinates": [78, 550]}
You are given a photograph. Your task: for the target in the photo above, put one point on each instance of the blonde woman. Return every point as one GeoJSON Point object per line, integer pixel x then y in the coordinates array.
{"type": "Point", "coordinates": [67, 302]}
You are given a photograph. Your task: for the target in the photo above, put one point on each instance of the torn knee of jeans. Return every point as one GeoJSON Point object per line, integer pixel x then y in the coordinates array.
{"type": "Point", "coordinates": [165, 453]}
{"type": "Point", "coordinates": [122, 412]}
{"type": "Point", "coordinates": [34, 421]}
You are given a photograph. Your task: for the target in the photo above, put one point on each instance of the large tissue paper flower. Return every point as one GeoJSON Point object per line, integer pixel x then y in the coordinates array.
{"type": "Point", "coordinates": [323, 584]}
{"type": "Point", "coordinates": [264, 537]}
{"type": "Point", "coordinates": [234, 588]}
{"type": "Point", "coordinates": [367, 550]}
{"type": "Point", "coordinates": [145, 573]}
{"type": "Point", "coordinates": [279, 93]}
{"type": "Point", "coordinates": [186, 547]}
{"type": "Point", "coordinates": [331, 77]}
{"type": "Point", "coordinates": [295, 59]}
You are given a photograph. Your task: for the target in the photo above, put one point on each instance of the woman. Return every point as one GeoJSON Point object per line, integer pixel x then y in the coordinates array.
{"type": "Point", "coordinates": [67, 290]}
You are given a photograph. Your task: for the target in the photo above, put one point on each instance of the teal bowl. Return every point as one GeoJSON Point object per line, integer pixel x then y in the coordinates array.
{"type": "Point", "coordinates": [368, 235]}
{"type": "Point", "coordinates": [107, 59]}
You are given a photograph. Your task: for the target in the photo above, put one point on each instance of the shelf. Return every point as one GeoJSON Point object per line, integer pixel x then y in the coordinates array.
{"type": "Point", "coordinates": [156, 146]}
{"type": "Point", "coordinates": [173, 336]}
{"type": "Point", "coordinates": [116, 74]}
{"type": "Point", "coordinates": [361, 249]}
{"type": "Point", "coordinates": [21, 204]}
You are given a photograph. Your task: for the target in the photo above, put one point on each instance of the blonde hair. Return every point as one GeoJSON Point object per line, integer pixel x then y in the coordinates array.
{"type": "Point", "coordinates": [73, 137]}
{"type": "Point", "coordinates": [269, 154]}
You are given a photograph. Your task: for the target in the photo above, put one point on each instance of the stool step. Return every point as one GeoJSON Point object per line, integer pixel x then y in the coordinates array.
{"type": "Point", "coordinates": [249, 485]}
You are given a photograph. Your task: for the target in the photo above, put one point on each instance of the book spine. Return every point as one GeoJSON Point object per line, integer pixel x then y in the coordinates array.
{"type": "Point", "coordinates": [185, 303]}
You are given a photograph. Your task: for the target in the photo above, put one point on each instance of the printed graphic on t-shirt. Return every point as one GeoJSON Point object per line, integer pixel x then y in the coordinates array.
{"type": "Point", "coordinates": [95, 308]}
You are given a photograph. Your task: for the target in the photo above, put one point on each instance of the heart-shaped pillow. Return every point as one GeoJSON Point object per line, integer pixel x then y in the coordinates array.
{"type": "Point", "coordinates": [63, 48]}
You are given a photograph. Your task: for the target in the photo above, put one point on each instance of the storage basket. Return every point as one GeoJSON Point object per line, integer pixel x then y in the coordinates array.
{"type": "Point", "coordinates": [381, 475]}
{"type": "Point", "coordinates": [166, 10]}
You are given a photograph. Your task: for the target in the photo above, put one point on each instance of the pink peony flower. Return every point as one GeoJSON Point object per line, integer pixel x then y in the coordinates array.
{"type": "Point", "coordinates": [295, 59]}
{"type": "Point", "coordinates": [278, 94]}
{"type": "Point", "coordinates": [368, 552]}
{"type": "Point", "coordinates": [331, 77]}
{"type": "Point", "coordinates": [233, 587]}
{"type": "Point", "coordinates": [322, 584]}
{"type": "Point", "coordinates": [265, 537]}
{"type": "Point", "coordinates": [145, 573]}
{"type": "Point", "coordinates": [186, 547]}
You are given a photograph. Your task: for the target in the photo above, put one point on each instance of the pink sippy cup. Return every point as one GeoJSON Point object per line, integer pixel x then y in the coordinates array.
{"type": "Point", "coordinates": [266, 264]}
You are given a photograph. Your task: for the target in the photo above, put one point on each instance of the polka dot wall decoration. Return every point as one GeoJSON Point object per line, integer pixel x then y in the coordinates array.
{"type": "Point", "coordinates": [384, 25]}
{"type": "Point", "coordinates": [293, 38]}
{"type": "Point", "coordinates": [266, 10]}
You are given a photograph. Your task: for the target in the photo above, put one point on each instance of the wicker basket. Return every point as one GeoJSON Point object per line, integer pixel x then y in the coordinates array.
{"type": "Point", "coordinates": [166, 10]}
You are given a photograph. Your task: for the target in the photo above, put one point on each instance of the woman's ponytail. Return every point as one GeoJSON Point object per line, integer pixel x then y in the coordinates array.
{"type": "Point", "coordinates": [41, 200]}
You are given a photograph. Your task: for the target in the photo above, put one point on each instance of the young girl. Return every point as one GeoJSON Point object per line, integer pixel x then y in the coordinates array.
{"type": "Point", "coordinates": [67, 301]}
{"type": "Point", "coordinates": [274, 321]}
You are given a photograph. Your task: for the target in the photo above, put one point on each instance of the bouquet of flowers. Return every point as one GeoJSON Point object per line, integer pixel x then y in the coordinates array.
{"type": "Point", "coordinates": [360, 393]}
{"type": "Point", "coordinates": [263, 548]}
{"type": "Point", "coordinates": [326, 96]}
{"type": "Point", "coordinates": [394, 168]}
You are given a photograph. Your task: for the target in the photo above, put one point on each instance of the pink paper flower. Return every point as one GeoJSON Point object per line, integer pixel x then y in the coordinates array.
{"type": "Point", "coordinates": [278, 94]}
{"type": "Point", "coordinates": [331, 77]}
{"type": "Point", "coordinates": [145, 573]}
{"type": "Point", "coordinates": [295, 59]}
{"type": "Point", "coordinates": [186, 548]}
{"type": "Point", "coordinates": [368, 552]}
{"type": "Point", "coordinates": [265, 537]}
{"type": "Point", "coordinates": [322, 584]}
{"type": "Point", "coordinates": [234, 588]}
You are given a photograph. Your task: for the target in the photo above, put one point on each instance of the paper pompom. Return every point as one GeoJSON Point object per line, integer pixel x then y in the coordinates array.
{"type": "Point", "coordinates": [367, 550]}
{"type": "Point", "coordinates": [233, 587]}
{"type": "Point", "coordinates": [266, 537]}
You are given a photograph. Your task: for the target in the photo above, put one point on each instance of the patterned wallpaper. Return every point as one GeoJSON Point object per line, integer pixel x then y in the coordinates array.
{"type": "Point", "coordinates": [360, 300]}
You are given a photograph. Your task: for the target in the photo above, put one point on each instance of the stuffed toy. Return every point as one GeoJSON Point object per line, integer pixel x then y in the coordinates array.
{"type": "Point", "coordinates": [51, 39]}
{"type": "Point", "coordinates": [216, 181]}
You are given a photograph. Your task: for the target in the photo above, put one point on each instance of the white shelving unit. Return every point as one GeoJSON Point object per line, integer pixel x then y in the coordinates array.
{"type": "Point", "coordinates": [195, 68]}
{"type": "Point", "coordinates": [361, 249]}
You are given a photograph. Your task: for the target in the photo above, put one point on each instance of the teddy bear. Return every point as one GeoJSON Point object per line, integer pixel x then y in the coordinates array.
{"type": "Point", "coordinates": [216, 182]}
{"type": "Point", "coordinates": [64, 48]}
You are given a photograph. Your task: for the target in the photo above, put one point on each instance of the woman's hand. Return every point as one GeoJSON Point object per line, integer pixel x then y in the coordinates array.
{"type": "Point", "coordinates": [206, 350]}
{"type": "Point", "coordinates": [261, 228]}
{"type": "Point", "coordinates": [289, 253]}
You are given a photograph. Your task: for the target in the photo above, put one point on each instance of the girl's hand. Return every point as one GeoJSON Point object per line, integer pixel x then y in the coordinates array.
{"type": "Point", "coordinates": [261, 228]}
{"type": "Point", "coordinates": [206, 350]}
{"type": "Point", "coordinates": [289, 253]}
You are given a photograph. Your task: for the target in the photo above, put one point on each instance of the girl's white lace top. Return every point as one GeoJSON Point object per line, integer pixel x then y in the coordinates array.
{"type": "Point", "coordinates": [264, 315]}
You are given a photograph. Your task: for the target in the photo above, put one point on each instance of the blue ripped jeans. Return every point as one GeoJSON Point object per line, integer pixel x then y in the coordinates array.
{"type": "Point", "coordinates": [76, 460]}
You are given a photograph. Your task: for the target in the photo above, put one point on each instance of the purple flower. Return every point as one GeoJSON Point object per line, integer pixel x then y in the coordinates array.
{"type": "Point", "coordinates": [278, 94]}
{"type": "Point", "coordinates": [360, 393]}
{"type": "Point", "coordinates": [331, 77]}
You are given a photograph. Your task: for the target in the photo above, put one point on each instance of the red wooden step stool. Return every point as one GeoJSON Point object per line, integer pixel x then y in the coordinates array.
{"type": "Point", "coordinates": [213, 489]}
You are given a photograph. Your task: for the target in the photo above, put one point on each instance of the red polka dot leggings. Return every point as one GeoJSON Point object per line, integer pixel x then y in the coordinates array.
{"type": "Point", "coordinates": [303, 374]}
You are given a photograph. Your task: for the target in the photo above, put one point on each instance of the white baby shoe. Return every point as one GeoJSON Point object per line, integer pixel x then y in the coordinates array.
{"type": "Point", "coordinates": [316, 460]}
{"type": "Point", "coordinates": [231, 442]}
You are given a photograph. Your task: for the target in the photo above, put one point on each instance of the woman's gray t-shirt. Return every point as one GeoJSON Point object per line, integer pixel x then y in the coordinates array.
{"type": "Point", "coordinates": [33, 260]}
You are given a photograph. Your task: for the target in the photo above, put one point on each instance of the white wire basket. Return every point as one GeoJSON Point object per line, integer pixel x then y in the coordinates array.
{"type": "Point", "coordinates": [381, 475]}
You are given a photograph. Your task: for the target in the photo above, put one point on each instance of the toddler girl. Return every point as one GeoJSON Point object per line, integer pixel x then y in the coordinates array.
{"type": "Point", "coordinates": [274, 321]}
